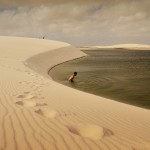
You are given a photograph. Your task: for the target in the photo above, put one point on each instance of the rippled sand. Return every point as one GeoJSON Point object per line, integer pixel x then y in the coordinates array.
{"type": "Point", "coordinates": [38, 113]}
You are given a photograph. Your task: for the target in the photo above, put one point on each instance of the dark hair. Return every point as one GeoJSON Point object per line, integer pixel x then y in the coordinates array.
{"type": "Point", "coordinates": [75, 73]}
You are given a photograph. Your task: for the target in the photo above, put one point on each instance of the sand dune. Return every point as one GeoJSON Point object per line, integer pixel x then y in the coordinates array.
{"type": "Point", "coordinates": [38, 114]}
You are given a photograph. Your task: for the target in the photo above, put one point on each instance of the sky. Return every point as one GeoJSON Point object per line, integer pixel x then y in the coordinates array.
{"type": "Point", "coordinates": [78, 22]}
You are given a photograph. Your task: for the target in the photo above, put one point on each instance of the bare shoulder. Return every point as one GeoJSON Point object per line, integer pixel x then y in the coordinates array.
{"type": "Point", "coordinates": [70, 78]}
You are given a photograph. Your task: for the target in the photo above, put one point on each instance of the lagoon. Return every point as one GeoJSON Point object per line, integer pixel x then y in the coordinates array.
{"type": "Point", "coordinates": [121, 75]}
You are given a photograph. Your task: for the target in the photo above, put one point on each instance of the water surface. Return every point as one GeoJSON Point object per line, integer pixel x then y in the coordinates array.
{"type": "Point", "coordinates": [121, 75]}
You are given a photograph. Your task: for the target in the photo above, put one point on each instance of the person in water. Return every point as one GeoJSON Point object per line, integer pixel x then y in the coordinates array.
{"type": "Point", "coordinates": [71, 78]}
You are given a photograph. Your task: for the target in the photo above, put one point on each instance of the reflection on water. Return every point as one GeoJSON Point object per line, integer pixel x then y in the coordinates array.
{"type": "Point", "coordinates": [121, 75]}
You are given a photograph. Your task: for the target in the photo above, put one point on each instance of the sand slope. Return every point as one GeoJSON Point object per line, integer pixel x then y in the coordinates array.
{"type": "Point", "coordinates": [38, 114]}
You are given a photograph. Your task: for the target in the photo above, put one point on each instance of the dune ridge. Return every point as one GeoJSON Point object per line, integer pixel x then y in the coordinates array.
{"type": "Point", "coordinates": [38, 113]}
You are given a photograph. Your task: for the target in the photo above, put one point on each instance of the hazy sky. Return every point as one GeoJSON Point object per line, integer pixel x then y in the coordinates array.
{"type": "Point", "coordinates": [79, 22]}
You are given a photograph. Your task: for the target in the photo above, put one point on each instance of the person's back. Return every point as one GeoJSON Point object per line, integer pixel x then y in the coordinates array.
{"type": "Point", "coordinates": [71, 78]}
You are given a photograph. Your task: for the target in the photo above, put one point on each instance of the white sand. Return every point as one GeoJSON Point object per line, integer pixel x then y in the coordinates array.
{"type": "Point", "coordinates": [119, 46]}
{"type": "Point", "coordinates": [38, 114]}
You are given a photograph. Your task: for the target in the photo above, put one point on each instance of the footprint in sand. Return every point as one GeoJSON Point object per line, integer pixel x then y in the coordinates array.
{"type": "Point", "coordinates": [41, 104]}
{"type": "Point", "coordinates": [26, 92]}
{"type": "Point", "coordinates": [107, 132]}
{"type": "Point", "coordinates": [30, 73]}
{"type": "Point", "coordinates": [28, 96]}
{"type": "Point", "coordinates": [27, 103]}
{"type": "Point", "coordinates": [24, 82]}
{"type": "Point", "coordinates": [90, 131]}
{"type": "Point", "coordinates": [49, 113]}
{"type": "Point", "coordinates": [30, 103]}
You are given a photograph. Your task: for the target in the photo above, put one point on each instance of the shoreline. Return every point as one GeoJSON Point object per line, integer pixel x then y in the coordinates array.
{"type": "Point", "coordinates": [62, 63]}
{"type": "Point", "coordinates": [38, 113]}
{"type": "Point", "coordinates": [50, 63]}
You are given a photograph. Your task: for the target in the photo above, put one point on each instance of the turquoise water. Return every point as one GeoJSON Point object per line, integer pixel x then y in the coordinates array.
{"type": "Point", "coordinates": [120, 75]}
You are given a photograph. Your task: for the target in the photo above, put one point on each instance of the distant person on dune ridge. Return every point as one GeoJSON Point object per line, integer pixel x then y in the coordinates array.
{"type": "Point", "coordinates": [71, 78]}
